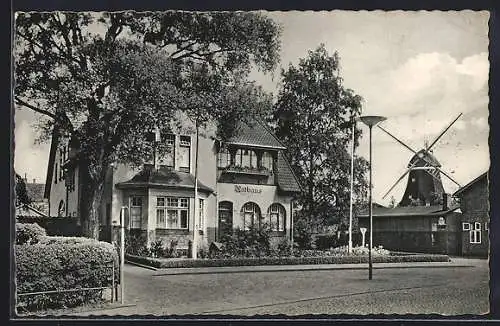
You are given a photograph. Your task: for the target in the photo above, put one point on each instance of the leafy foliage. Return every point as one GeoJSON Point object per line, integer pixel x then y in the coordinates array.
{"type": "Point", "coordinates": [253, 242]}
{"type": "Point", "coordinates": [29, 233]}
{"type": "Point", "coordinates": [314, 117]}
{"type": "Point", "coordinates": [107, 90]}
{"type": "Point", "coordinates": [61, 264]}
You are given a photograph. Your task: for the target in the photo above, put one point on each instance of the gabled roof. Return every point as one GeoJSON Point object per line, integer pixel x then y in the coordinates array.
{"type": "Point", "coordinates": [407, 211]}
{"type": "Point", "coordinates": [255, 134]}
{"type": "Point", "coordinates": [35, 191]}
{"type": "Point", "coordinates": [470, 184]}
{"type": "Point", "coordinates": [27, 210]}
{"type": "Point", "coordinates": [163, 178]}
{"type": "Point", "coordinates": [287, 181]}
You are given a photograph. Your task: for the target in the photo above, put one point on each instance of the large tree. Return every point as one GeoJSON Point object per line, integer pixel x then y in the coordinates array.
{"type": "Point", "coordinates": [107, 79]}
{"type": "Point", "coordinates": [313, 116]}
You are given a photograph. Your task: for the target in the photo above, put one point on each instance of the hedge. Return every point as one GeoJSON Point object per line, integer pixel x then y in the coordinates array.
{"type": "Point", "coordinates": [58, 263]}
{"type": "Point", "coordinates": [29, 233]}
{"type": "Point", "coordinates": [187, 263]}
{"type": "Point", "coordinates": [62, 226]}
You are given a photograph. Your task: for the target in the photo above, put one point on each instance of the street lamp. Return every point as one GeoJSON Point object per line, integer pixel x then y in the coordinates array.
{"type": "Point", "coordinates": [370, 121]}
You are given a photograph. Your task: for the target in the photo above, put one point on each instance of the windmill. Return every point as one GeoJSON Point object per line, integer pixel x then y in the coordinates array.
{"type": "Point", "coordinates": [424, 182]}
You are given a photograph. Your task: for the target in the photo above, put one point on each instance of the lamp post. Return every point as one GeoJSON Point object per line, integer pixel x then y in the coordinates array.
{"type": "Point", "coordinates": [349, 246]}
{"type": "Point", "coordinates": [370, 121]}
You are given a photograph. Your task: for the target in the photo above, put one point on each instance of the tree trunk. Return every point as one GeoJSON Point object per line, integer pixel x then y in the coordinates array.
{"type": "Point", "coordinates": [90, 204]}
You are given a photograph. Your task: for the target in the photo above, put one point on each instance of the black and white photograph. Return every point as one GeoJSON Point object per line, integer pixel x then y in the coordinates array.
{"type": "Point", "coordinates": [235, 164]}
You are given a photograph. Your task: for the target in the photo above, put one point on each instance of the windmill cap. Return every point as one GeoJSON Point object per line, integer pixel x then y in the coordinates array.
{"type": "Point", "coordinates": [423, 156]}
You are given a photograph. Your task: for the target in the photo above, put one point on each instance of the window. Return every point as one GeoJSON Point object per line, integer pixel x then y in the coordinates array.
{"type": "Point", "coordinates": [160, 212]}
{"type": "Point", "coordinates": [276, 214]}
{"type": "Point", "coordinates": [135, 212]}
{"type": "Point", "coordinates": [267, 161]}
{"type": "Point", "coordinates": [201, 213]}
{"type": "Point", "coordinates": [173, 215]}
{"type": "Point", "coordinates": [61, 163]}
{"type": "Point", "coordinates": [251, 215]}
{"type": "Point", "coordinates": [465, 226]}
{"type": "Point", "coordinates": [246, 158]}
{"type": "Point", "coordinates": [60, 209]}
{"type": "Point", "coordinates": [169, 158]}
{"type": "Point", "coordinates": [224, 158]}
{"type": "Point", "coordinates": [70, 179]}
{"type": "Point", "coordinates": [185, 153]}
{"type": "Point", "coordinates": [475, 234]}
{"type": "Point", "coordinates": [486, 226]}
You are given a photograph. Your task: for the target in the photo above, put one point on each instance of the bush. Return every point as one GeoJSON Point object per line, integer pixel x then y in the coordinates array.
{"type": "Point", "coordinates": [59, 264]}
{"type": "Point", "coordinates": [62, 226]}
{"type": "Point", "coordinates": [135, 244]}
{"type": "Point", "coordinates": [29, 233]}
{"type": "Point", "coordinates": [302, 234]}
{"type": "Point", "coordinates": [254, 242]}
{"type": "Point", "coordinates": [325, 242]}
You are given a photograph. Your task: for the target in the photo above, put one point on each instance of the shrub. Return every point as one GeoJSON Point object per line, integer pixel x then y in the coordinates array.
{"type": "Point", "coordinates": [135, 244]}
{"type": "Point", "coordinates": [302, 234]}
{"type": "Point", "coordinates": [171, 250]}
{"type": "Point", "coordinates": [157, 249]}
{"type": "Point", "coordinates": [324, 242]}
{"type": "Point", "coordinates": [60, 264]}
{"type": "Point", "coordinates": [254, 242]}
{"type": "Point", "coordinates": [29, 233]}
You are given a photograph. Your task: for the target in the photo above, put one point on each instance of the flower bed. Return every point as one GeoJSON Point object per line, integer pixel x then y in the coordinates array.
{"type": "Point", "coordinates": [338, 259]}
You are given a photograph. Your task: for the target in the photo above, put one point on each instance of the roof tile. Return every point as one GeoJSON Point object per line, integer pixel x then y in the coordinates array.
{"type": "Point", "coordinates": [256, 134]}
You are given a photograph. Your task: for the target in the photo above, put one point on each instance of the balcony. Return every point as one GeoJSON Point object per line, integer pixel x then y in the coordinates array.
{"type": "Point", "coordinates": [232, 169]}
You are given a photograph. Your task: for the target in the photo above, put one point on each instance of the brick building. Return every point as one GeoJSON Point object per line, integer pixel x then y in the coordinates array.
{"type": "Point", "coordinates": [241, 182]}
{"type": "Point", "coordinates": [474, 205]}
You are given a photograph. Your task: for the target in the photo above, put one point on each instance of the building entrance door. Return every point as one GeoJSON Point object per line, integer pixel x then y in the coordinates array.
{"type": "Point", "coordinates": [225, 219]}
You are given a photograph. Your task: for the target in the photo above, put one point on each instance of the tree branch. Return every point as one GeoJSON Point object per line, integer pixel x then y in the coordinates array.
{"type": "Point", "coordinates": [35, 108]}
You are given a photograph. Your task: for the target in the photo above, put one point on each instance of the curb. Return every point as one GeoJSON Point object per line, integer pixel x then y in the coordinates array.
{"type": "Point", "coordinates": [141, 265]}
{"type": "Point", "coordinates": [166, 272]}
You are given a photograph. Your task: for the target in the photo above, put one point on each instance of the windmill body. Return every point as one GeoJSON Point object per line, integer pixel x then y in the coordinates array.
{"type": "Point", "coordinates": [424, 186]}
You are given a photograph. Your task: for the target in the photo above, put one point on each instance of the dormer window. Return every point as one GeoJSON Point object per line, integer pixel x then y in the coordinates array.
{"type": "Point", "coordinates": [267, 161]}
{"type": "Point", "coordinates": [246, 158]}
{"type": "Point", "coordinates": [224, 158]}
{"type": "Point", "coordinates": [169, 158]}
{"type": "Point", "coordinates": [184, 153]}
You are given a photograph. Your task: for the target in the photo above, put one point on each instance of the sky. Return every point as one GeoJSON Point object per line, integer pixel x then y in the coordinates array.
{"type": "Point", "coordinates": [418, 69]}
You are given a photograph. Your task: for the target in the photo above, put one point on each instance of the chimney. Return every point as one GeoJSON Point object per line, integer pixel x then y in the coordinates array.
{"type": "Point", "coordinates": [26, 178]}
{"type": "Point", "coordinates": [34, 180]}
{"type": "Point", "coordinates": [446, 201]}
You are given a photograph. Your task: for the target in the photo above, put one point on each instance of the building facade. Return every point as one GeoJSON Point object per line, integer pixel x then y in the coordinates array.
{"type": "Point", "coordinates": [242, 182]}
{"type": "Point", "coordinates": [474, 229]}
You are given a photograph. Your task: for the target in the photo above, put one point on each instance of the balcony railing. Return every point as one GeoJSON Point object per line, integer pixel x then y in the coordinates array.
{"type": "Point", "coordinates": [262, 171]}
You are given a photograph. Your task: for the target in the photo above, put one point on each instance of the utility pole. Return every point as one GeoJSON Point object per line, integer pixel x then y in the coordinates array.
{"type": "Point", "coordinates": [194, 249]}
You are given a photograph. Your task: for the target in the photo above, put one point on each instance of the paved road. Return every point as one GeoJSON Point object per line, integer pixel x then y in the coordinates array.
{"type": "Point", "coordinates": [448, 291]}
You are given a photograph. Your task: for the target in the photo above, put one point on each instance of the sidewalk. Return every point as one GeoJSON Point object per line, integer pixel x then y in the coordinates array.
{"type": "Point", "coordinates": [454, 263]}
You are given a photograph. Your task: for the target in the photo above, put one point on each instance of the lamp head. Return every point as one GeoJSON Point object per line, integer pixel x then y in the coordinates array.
{"type": "Point", "coordinates": [372, 120]}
